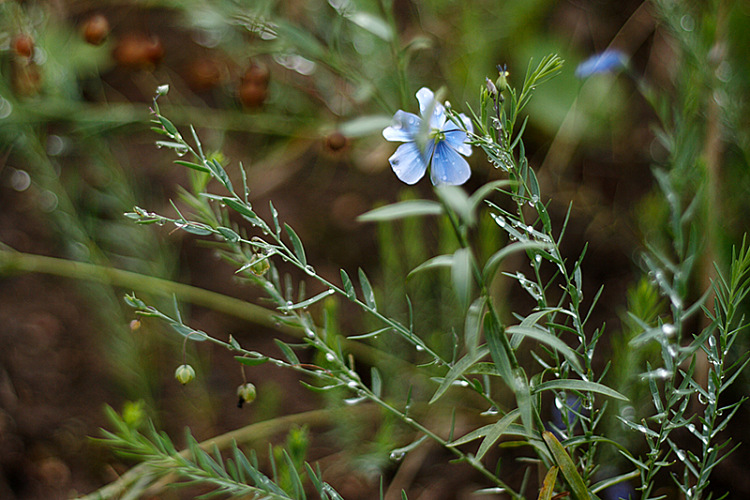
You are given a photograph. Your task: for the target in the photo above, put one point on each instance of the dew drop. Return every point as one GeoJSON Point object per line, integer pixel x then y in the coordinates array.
{"type": "Point", "coordinates": [354, 401]}
{"type": "Point", "coordinates": [20, 180]}
{"type": "Point", "coordinates": [397, 456]}
{"type": "Point", "coordinates": [6, 108]}
{"type": "Point", "coordinates": [419, 348]}
{"type": "Point", "coordinates": [310, 270]}
{"type": "Point", "coordinates": [330, 357]}
{"type": "Point", "coordinates": [668, 329]}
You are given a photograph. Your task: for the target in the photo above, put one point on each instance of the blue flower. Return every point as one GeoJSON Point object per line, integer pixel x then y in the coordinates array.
{"type": "Point", "coordinates": [439, 142]}
{"type": "Point", "coordinates": [609, 60]}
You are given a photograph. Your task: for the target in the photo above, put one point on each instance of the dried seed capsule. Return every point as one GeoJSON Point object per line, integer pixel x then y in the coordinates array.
{"type": "Point", "coordinates": [203, 74]}
{"type": "Point", "coordinates": [23, 45]}
{"type": "Point", "coordinates": [96, 29]}
{"type": "Point", "coordinates": [138, 51]}
{"type": "Point", "coordinates": [336, 141]}
{"type": "Point", "coordinates": [252, 95]}
{"type": "Point", "coordinates": [253, 89]}
{"type": "Point", "coordinates": [257, 74]}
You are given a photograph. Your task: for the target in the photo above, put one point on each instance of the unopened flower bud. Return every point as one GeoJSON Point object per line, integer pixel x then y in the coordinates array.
{"type": "Point", "coordinates": [184, 374]}
{"type": "Point", "coordinates": [246, 394]}
{"type": "Point", "coordinates": [490, 87]}
{"type": "Point", "coordinates": [135, 325]}
{"type": "Point", "coordinates": [162, 89]}
{"type": "Point", "coordinates": [502, 80]}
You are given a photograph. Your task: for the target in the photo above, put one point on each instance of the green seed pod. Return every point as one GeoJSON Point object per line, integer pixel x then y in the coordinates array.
{"type": "Point", "coordinates": [259, 265]}
{"type": "Point", "coordinates": [184, 374]}
{"type": "Point", "coordinates": [246, 394]}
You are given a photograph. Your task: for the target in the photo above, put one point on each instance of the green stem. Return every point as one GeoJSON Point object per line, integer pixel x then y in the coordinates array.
{"type": "Point", "coordinates": [12, 261]}
{"type": "Point", "coordinates": [245, 434]}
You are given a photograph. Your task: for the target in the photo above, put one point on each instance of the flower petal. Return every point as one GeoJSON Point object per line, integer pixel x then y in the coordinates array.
{"type": "Point", "coordinates": [403, 128]}
{"type": "Point", "coordinates": [457, 140]}
{"type": "Point", "coordinates": [607, 61]}
{"type": "Point", "coordinates": [448, 167]}
{"type": "Point", "coordinates": [427, 102]}
{"type": "Point", "coordinates": [456, 137]}
{"type": "Point", "coordinates": [408, 163]}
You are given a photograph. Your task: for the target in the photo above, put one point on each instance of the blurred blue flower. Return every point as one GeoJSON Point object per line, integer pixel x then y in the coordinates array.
{"type": "Point", "coordinates": [609, 60]}
{"type": "Point", "coordinates": [429, 140]}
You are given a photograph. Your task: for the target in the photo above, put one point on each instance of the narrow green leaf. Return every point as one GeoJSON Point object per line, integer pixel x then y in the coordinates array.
{"type": "Point", "coordinates": [275, 217]}
{"type": "Point", "coordinates": [168, 126]}
{"type": "Point", "coordinates": [399, 452]}
{"type": "Point", "coordinates": [568, 468]}
{"type": "Point", "coordinates": [317, 483]}
{"type": "Point", "coordinates": [299, 250]}
{"type": "Point", "coordinates": [288, 352]}
{"type": "Point", "coordinates": [458, 201]}
{"type": "Point", "coordinates": [377, 382]}
{"type": "Point", "coordinates": [186, 331]}
{"type": "Point", "coordinates": [545, 337]}
{"type": "Point", "coordinates": [241, 208]}
{"type": "Point", "coordinates": [299, 489]}
{"type": "Point", "coordinates": [471, 436]}
{"type": "Point", "coordinates": [602, 485]}
{"type": "Point", "coordinates": [195, 228]}
{"type": "Point", "coordinates": [438, 261]}
{"type": "Point", "coordinates": [581, 386]}
{"type": "Point", "coordinates": [218, 171]}
{"type": "Point", "coordinates": [367, 289]}
{"type": "Point", "coordinates": [493, 263]}
{"type": "Point", "coordinates": [495, 432]}
{"type": "Point", "coordinates": [409, 208]}
{"type": "Point", "coordinates": [525, 404]}
{"type": "Point", "coordinates": [328, 489]}
{"type": "Point", "coordinates": [308, 302]}
{"type": "Point", "coordinates": [461, 276]}
{"type": "Point", "coordinates": [228, 234]}
{"type": "Point", "coordinates": [492, 332]}
{"type": "Point", "coordinates": [458, 370]}
{"type": "Point", "coordinates": [250, 361]}
{"type": "Point", "coordinates": [473, 324]}
{"type": "Point", "coordinates": [194, 166]}
{"type": "Point", "coordinates": [369, 334]}
{"type": "Point", "coordinates": [348, 286]}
